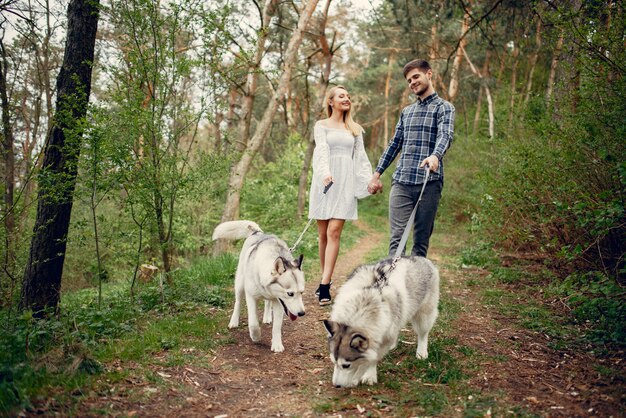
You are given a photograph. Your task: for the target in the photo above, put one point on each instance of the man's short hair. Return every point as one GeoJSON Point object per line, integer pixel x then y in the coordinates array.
{"type": "Point", "coordinates": [422, 65]}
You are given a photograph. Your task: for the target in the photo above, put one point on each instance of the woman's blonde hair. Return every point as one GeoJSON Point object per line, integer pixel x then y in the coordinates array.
{"type": "Point", "coordinates": [354, 128]}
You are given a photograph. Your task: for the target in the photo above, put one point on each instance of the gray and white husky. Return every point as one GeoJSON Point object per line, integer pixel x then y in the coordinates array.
{"type": "Point", "coordinates": [371, 308]}
{"type": "Point", "coordinates": [268, 271]}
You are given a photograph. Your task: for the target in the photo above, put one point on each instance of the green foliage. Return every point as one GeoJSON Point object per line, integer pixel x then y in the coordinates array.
{"type": "Point", "coordinates": [64, 351]}
{"type": "Point", "coordinates": [270, 197]}
{"type": "Point", "coordinates": [481, 254]}
{"type": "Point", "coordinates": [595, 299]}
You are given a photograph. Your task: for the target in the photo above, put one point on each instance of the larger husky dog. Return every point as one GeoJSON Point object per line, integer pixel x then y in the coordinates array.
{"type": "Point", "coordinates": [266, 270]}
{"type": "Point", "coordinates": [370, 310]}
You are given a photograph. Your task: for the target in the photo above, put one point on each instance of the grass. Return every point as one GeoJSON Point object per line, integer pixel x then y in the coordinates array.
{"type": "Point", "coordinates": [408, 386]}
{"type": "Point", "coordinates": [54, 359]}
{"type": "Point", "coordinates": [90, 348]}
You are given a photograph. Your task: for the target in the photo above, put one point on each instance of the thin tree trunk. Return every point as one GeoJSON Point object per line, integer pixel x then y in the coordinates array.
{"type": "Point", "coordinates": [533, 62]}
{"type": "Point", "coordinates": [487, 92]}
{"type": "Point", "coordinates": [327, 58]}
{"type": "Point", "coordinates": [513, 92]}
{"type": "Point", "coordinates": [27, 167]}
{"type": "Point", "coordinates": [484, 72]}
{"type": "Point", "coordinates": [217, 132]}
{"type": "Point", "coordinates": [479, 102]}
{"type": "Point", "coordinates": [42, 278]}
{"type": "Point", "coordinates": [8, 155]}
{"type": "Point", "coordinates": [232, 105]}
{"type": "Point", "coordinates": [453, 90]}
{"type": "Point", "coordinates": [433, 56]}
{"type": "Point", "coordinates": [553, 65]}
{"type": "Point", "coordinates": [252, 79]}
{"type": "Point", "coordinates": [390, 65]}
{"type": "Point", "coordinates": [94, 217]}
{"type": "Point", "coordinates": [240, 169]}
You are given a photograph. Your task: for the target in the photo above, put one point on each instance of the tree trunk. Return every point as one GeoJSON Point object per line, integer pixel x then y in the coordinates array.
{"type": "Point", "coordinates": [487, 91]}
{"type": "Point", "coordinates": [42, 278]}
{"type": "Point", "coordinates": [253, 75]}
{"type": "Point", "coordinates": [479, 102]}
{"type": "Point", "coordinates": [453, 90]}
{"type": "Point", "coordinates": [533, 62]}
{"type": "Point", "coordinates": [232, 105]}
{"type": "Point", "coordinates": [553, 65]}
{"type": "Point", "coordinates": [240, 169]}
{"type": "Point", "coordinates": [326, 64]}
{"type": "Point", "coordinates": [433, 56]}
{"type": "Point", "coordinates": [9, 162]}
{"type": "Point", "coordinates": [513, 85]}
{"type": "Point", "coordinates": [390, 65]}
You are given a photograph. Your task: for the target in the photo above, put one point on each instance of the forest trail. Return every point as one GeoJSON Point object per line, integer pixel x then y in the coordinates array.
{"type": "Point", "coordinates": [245, 379]}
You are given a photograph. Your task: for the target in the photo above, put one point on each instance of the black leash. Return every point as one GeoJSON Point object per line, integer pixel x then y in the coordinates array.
{"type": "Point", "coordinates": [311, 219]}
{"type": "Point", "coordinates": [407, 229]}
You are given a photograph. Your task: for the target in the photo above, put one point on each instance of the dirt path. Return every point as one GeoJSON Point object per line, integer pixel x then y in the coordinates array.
{"type": "Point", "coordinates": [248, 380]}
{"type": "Point", "coordinates": [520, 365]}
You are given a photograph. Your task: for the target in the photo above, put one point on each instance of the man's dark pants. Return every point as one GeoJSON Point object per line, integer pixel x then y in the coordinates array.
{"type": "Point", "coordinates": [402, 200]}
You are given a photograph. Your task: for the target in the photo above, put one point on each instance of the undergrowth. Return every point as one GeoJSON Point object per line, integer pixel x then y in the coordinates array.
{"type": "Point", "coordinates": [68, 349]}
{"type": "Point", "coordinates": [585, 309]}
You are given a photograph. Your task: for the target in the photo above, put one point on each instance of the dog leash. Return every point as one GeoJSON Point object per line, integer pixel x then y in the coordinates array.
{"type": "Point", "coordinates": [311, 219]}
{"type": "Point", "coordinates": [407, 229]}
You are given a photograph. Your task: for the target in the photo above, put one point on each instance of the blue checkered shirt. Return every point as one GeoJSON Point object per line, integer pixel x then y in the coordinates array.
{"type": "Point", "coordinates": [425, 128]}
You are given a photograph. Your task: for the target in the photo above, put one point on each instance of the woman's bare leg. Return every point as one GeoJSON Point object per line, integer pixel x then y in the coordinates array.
{"type": "Point", "coordinates": [333, 238]}
{"type": "Point", "coordinates": [322, 227]}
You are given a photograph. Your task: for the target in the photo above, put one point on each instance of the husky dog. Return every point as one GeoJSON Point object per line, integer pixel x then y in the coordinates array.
{"type": "Point", "coordinates": [371, 308]}
{"type": "Point", "coordinates": [266, 270]}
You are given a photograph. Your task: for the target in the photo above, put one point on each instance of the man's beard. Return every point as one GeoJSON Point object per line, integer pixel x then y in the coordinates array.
{"type": "Point", "coordinates": [421, 90]}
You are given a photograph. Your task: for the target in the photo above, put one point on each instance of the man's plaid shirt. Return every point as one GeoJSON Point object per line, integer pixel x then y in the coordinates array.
{"type": "Point", "coordinates": [425, 128]}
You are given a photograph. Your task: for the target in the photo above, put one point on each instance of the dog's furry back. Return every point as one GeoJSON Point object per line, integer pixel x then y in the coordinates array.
{"type": "Point", "coordinates": [234, 230]}
{"type": "Point", "coordinates": [380, 302]}
{"type": "Point", "coordinates": [371, 308]}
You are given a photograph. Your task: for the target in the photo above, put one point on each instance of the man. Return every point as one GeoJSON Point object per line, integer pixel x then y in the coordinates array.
{"type": "Point", "coordinates": [423, 134]}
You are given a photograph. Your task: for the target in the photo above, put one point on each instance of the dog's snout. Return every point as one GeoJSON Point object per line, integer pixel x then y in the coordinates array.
{"type": "Point", "coordinates": [338, 386]}
{"type": "Point", "coordinates": [301, 313]}
{"type": "Point", "coordinates": [346, 365]}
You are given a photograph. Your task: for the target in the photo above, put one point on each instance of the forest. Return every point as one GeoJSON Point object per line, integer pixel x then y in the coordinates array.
{"type": "Point", "coordinates": [132, 128]}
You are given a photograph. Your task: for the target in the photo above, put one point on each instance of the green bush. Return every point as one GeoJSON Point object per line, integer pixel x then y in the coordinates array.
{"type": "Point", "coordinates": [596, 300]}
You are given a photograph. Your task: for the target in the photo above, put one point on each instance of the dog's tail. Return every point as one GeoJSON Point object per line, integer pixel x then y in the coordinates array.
{"type": "Point", "coordinates": [235, 230]}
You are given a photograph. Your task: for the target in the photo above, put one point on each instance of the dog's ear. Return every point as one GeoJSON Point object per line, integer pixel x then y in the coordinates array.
{"type": "Point", "coordinates": [331, 326]}
{"type": "Point", "coordinates": [359, 343]}
{"type": "Point", "coordinates": [299, 262]}
{"type": "Point", "coordinates": [279, 267]}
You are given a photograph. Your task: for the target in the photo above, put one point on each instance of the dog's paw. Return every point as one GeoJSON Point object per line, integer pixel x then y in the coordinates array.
{"type": "Point", "coordinates": [369, 379]}
{"type": "Point", "coordinates": [267, 319]}
{"type": "Point", "coordinates": [370, 376]}
{"type": "Point", "coordinates": [421, 354]}
{"type": "Point", "coordinates": [255, 334]}
{"type": "Point", "coordinates": [277, 346]}
{"type": "Point", "coordinates": [233, 324]}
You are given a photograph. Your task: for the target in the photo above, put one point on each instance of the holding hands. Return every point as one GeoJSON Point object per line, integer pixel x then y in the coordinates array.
{"type": "Point", "coordinates": [375, 185]}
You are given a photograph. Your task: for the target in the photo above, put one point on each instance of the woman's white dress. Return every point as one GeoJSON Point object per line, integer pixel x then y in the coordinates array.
{"type": "Point", "coordinates": [342, 155]}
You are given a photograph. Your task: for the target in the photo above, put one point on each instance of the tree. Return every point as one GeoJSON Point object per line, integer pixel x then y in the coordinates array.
{"type": "Point", "coordinates": [327, 52]}
{"type": "Point", "coordinates": [154, 118]}
{"type": "Point", "coordinates": [57, 179]}
{"type": "Point", "coordinates": [240, 168]}
{"type": "Point", "coordinates": [8, 159]}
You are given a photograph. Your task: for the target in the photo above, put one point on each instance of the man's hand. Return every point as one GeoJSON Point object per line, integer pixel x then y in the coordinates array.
{"type": "Point", "coordinates": [432, 161]}
{"type": "Point", "coordinates": [375, 185]}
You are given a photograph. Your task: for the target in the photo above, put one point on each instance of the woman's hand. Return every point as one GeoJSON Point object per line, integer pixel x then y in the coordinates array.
{"type": "Point", "coordinates": [328, 180]}
{"type": "Point", "coordinates": [375, 185]}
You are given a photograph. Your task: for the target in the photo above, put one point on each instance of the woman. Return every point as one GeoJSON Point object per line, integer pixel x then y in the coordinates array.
{"type": "Point", "coordinates": [340, 159]}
